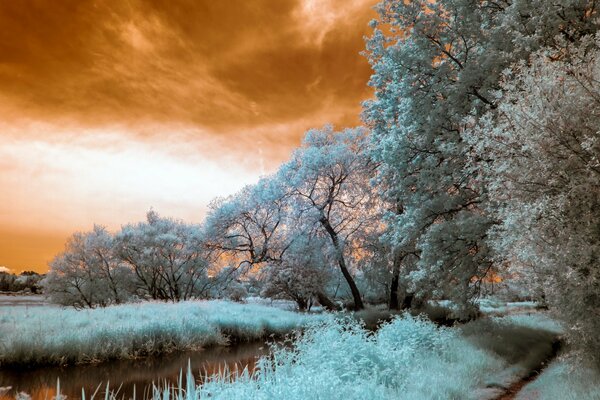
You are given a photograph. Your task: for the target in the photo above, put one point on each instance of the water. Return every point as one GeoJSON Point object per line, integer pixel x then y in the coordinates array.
{"type": "Point", "coordinates": [40, 383]}
{"type": "Point", "coordinates": [25, 301]}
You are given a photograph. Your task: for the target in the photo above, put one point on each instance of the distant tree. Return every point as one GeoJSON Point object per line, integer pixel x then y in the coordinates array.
{"type": "Point", "coordinates": [166, 256]}
{"type": "Point", "coordinates": [302, 276]}
{"type": "Point", "coordinates": [88, 273]}
{"type": "Point", "coordinates": [229, 282]}
{"type": "Point", "coordinates": [29, 281]}
{"type": "Point", "coordinates": [6, 281]}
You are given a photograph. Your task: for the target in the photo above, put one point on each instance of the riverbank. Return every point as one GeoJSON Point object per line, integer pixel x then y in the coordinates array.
{"type": "Point", "coordinates": [57, 336]}
{"type": "Point", "coordinates": [565, 379]}
{"type": "Point", "coordinates": [12, 299]}
{"type": "Point", "coordinates": [128, 377]}
{"type": "Point", "coordinates": [408, 358]}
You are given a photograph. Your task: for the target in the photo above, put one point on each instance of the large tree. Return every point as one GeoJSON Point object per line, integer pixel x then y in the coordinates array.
{"type": "Point", "coordinates": [249, 226]}
{"type": "Point", "coordinates": [328, 184]}
{"type": "Point", "coordinates": [167, 257]}
{"type": "Point", "coordinates": [436, 63]}
{"type": "Point", "coordinates": [88, 272]}
{"type": "Point", "coordinates": [544, 176]}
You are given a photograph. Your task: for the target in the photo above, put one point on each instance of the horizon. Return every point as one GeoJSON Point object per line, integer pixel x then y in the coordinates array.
{"type": "Point", "coordinates": [113, 109]}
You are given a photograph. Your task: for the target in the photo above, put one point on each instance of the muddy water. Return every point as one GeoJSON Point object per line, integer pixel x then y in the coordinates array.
{"type": "Point", "coordinates": [40, 383]}
{"type": "Point", "coordinates": [25, 301]}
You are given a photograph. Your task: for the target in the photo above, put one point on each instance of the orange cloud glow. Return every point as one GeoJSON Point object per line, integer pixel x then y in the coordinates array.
{"type": "Point", "coordinates": [110, 108]}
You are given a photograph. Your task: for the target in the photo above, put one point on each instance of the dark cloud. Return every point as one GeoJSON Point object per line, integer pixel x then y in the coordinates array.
{"type": "Point", "coordinates": [209, 63]}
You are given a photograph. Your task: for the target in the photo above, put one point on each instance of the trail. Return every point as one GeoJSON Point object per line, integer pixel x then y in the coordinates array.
{"type": "Point", "coordinates": [513, 390]}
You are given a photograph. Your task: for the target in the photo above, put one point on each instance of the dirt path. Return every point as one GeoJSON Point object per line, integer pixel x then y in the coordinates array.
{"type": "Point", "coordinates": [514, 389]}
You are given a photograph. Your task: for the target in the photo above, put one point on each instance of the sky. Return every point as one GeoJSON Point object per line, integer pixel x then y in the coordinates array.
{"type": "Point", "coordinates": [110, 108]}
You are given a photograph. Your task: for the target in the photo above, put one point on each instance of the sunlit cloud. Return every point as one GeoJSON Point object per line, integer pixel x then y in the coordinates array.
{"type": "Point", "coordinates": [110, 108]}
{"type": "Point", "coordinates": [66, 181]}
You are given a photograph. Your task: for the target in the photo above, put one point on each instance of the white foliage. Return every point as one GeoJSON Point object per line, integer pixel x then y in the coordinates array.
{"type": "Point", "coordinates": [166, 256]}
{"type": "Point", "coordinates": [88, 273]}
{"type": "Point", "coordinates": [61, 336]}
{"type": "Point", "coordinates": [328, 182]}
{"type": "Point", "coordinates": [544, 175]}
{"type": "Point", "coordinates": [436, 62]}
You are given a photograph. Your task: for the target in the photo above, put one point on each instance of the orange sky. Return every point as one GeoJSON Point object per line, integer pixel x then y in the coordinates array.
{"type": "Point", "coordinates": [112, 107]}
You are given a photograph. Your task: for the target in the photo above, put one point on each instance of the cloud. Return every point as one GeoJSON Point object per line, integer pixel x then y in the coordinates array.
{"type": "Point", "coordinates": [106, 177]}
{"type": "Point", "coordinates": [215, 64]}
{"type": "Point", "coordinates": [5, 269]}
{"type": "Point", "coordinates": [109, 108]}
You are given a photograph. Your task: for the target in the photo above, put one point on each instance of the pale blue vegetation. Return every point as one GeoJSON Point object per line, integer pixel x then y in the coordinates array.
{"type": "Point", "coordinates": [495, 306]}
{"type": "Point", "coordinates": [408, 358]}
{"type": "Point", "coordinates": [564, 380]}
{"type": "Point", "coordinates": [60, 336]}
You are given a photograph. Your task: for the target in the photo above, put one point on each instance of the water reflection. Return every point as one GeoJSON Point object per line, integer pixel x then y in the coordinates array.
{"type": "Point", "coordinates": [40, 383]}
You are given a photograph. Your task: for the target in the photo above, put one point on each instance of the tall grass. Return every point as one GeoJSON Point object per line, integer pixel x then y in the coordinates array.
{"type": "Point", "coordinates": [408, 358]}
{"type": "Point", "coordinates": [336, 357]}
{"type": "Point", "coordinates": [66, 336]}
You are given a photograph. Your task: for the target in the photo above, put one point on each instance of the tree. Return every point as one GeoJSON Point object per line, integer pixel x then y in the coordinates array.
{"type": "Point", "coordinates": [255, 228]}
{"type": "Point", "coordinates": [26, 280]}
{"type": "Point", "coordinates": [249, 225]}
{"type": "Point", "coordinates": [327, 180]}
{"type": "Point", "coordinates": [435, 63]}
{"type": "Point", "coordinates": [116, 276]}
{"type": "Point", "coordinates": [301, 276]}
{"type": "Point", "coordinates": [88, 272]}
{"type": "Point", "coordinates": [167, 257]}
{"type": "Point", "coordinates": [544, 176]}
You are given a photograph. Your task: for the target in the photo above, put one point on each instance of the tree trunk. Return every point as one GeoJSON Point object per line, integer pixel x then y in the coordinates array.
{"type": "Point", "coordinates": [394, 304]}
{"type": "Point", "coordinates": [326, 302]}
{"type": "Point", "coordinates": [358, 303]}
{"type": "Point", "coordinates": [302, 304]}
{"type": "Point", "coordinates": [408, 300]}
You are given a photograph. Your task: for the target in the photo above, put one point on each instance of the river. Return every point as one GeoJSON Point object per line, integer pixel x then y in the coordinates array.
{"type": "Point", "coordinates": [40, 383]}
{"type": "Point", "coordinates": [125, 375]}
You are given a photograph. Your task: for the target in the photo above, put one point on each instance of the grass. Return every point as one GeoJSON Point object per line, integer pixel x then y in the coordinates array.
{"type": "Point", "coordinates": [498, 307]}
{"type": "Point", "coordinates": [523, 342]}
{"type": "Point", "coordinates": [54, 336]}
{"type": "Point", "coordinates": [565, 380]}
{"type": "Point", "coordinates": [336, 357]}
{"type": "Point", "coordinates": [407, 358]}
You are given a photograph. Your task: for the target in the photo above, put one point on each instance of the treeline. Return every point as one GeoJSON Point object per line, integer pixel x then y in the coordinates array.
{"type": "Point", "coordinates": [480, 156]}
{"type": "Point", "coordinates": [299, 234]}
{"type": "Point", "coordinates": [27, 281]}
{"type": "Point", "coordinates": [485, 124]}
{"type": "Point", "coordinates": [159, 259]}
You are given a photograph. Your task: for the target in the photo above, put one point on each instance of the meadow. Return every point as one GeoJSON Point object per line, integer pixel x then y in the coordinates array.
{"type": "Point", "coordinates": [337, 356]}
{"type": "Point", "coordinates": [57, 336]}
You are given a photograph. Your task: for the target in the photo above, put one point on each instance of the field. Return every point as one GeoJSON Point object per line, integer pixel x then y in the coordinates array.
{"type": "Point", "coordinates": [336, 357]}
{"type": "Point", "coordinates": [54, 336]}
